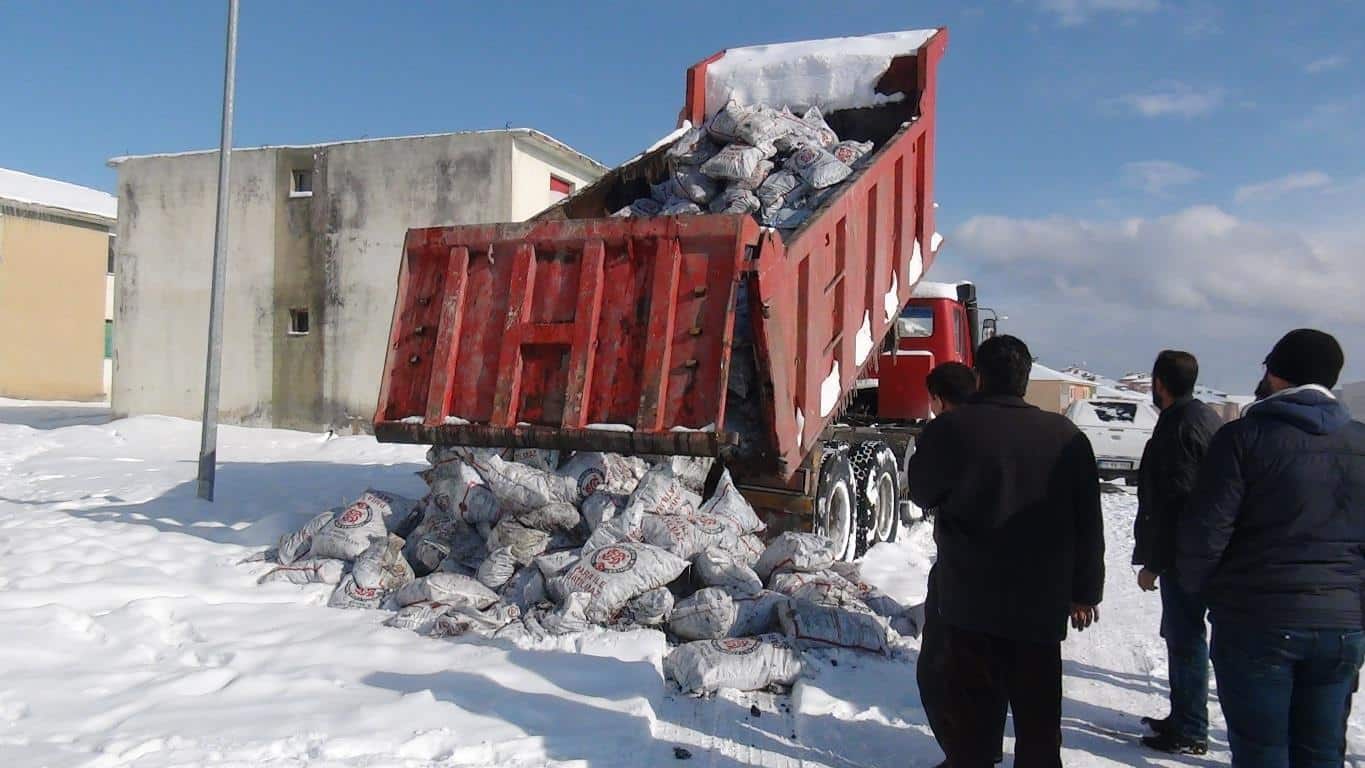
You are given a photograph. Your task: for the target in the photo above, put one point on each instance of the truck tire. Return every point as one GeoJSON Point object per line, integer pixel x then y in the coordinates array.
{"type": "Point", "coordinates": [836, 506]}
{"type": "Point", "coordinates": [877, 489]}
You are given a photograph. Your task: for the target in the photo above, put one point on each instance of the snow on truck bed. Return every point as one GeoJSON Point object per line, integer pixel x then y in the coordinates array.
{"type": "Point", "coordinates": [133, 636]}
{"type": "Point", "coordinates": [833, 74]}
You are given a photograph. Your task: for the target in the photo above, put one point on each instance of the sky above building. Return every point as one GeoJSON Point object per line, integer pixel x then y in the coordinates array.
{"type": "Point", "coordinates": [1118, 176]}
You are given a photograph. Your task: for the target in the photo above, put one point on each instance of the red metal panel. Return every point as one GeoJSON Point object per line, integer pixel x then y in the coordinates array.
{"type": "Point", "coordinates": [663, 311]}
{"type": "Point", "coordinates": [564, 323]}
{"type": "Point", "coordinates": [447, 337]}
{"type": "Point", "coordinates": [585, 332]}
{"type": "Point", "coordinates": [818, 287]}
{"type": "Point", "coordinates": [620, 321]}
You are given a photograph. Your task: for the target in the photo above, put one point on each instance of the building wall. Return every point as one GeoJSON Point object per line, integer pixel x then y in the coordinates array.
{"type": "Point", "coordinates": [296, 383]}
{"type": "Point", "coordinates": [335, 253]}
{"type": "Point", "coordinates": [532, 166]}
{"type": "Point", "coordinates": [366, 197]}
{"type": "Point", "coordinates": [162, 277]}
{"type": "Point", "coordinates": [52, 282]}
{"type": "Point", "coordinates": [1056, 396]}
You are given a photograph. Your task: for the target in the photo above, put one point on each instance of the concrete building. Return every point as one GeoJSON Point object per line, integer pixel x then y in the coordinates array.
{"type": "Point", "coordinates": [54, 253]}
{"type": "Point", "coordinates": [1055, 391]}
{"type": "Point", "coordinates": [316, 235]}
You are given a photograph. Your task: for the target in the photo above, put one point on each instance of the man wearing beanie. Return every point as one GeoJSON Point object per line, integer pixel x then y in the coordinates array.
{"type": "Point", "coordinates": [1274, 540]}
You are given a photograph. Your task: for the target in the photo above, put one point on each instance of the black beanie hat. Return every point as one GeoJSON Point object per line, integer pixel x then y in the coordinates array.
{"type": "Point", "coordinates": [1306, 356]}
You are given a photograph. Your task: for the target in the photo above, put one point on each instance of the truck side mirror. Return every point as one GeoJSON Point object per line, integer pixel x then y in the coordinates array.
{"type": "Point", "coordinates": [988, 328]}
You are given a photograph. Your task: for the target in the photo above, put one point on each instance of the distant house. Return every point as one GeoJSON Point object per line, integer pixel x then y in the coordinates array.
{"type": "Point", "coordinates": [55, 287]}
{"type": "Point", "coordinates": [1055, 391]}
{"type": "Point", "coordinates": [315, 241]}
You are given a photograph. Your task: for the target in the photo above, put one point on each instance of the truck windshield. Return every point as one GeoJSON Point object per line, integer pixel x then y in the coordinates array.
{"type": "Point", "coordinates": [916, 323]}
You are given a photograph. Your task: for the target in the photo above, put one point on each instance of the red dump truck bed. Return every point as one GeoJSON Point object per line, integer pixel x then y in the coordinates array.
{"type": "Point", "coordinates": [697, 334]}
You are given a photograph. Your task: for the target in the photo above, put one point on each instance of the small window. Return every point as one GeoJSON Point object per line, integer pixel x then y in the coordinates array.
{"type": "Point", "coordinates": [298, 322]}
{"type": "Point", "coordinates": [1110, 412]}
{"type": "Point", "coordinates": [559, 188]}
{"type": "Point", "coordinates": [110, 266]}
{"type": "Point", "coordinates": [916, 323]}
{"type": "Point", "coordinates": [301, 183]}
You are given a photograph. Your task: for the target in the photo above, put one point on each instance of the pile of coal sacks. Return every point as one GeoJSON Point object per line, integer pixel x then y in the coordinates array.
{"type": "Point", "coordinates": [756, 160]}
{"type": "Point", "coordinates": [527, 545]}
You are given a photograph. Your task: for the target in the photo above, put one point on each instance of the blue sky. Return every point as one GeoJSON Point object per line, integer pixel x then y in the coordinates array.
{"type": "Point", "coordinates": [1119, 175]}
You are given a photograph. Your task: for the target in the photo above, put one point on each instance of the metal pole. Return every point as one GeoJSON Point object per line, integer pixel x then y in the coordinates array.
{"type": "Point", "coordinates": [208, 441]}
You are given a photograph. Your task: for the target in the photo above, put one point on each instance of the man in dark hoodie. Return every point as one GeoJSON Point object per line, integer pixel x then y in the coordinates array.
{"type": "Point", "coordinates": [1020, 550]}
{"type": "Point", "coordinates": [1274, 540]}
{"type": "Point", "coordinates": [1170, 464]}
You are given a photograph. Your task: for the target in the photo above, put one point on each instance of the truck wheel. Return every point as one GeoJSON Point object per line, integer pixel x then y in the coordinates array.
{"type": "Point", "coordinates": [836, 507]}
{"type": "Point", "coordinates": [874, 473]}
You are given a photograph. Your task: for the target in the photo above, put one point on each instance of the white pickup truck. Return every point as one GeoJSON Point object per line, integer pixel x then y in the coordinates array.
{"type": "Point", "coordinates": [1118, 431]}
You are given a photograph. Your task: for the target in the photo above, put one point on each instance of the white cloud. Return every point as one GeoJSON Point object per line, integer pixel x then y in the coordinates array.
{"type": "Point", "coordinates": [1115, 292]}
{"type": "Point", "coordinates": [1274, 188]}
{"type": "Point", "coordinates": [1156, 176]}
{"type": "Point", "coordinates": [1073, 12]}
{"type": "Point", "coordinates": [1174, 99]}
{"type": "Point", "coordinates": [1326, 63]}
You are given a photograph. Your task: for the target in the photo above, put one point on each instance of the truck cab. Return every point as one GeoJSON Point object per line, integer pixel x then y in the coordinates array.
{"type": "Point", "coordinates": [940, 324]}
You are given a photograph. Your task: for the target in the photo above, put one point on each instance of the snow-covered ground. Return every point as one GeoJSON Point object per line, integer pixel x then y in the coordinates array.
{"type": "Point", "coordinates": [131, 635]}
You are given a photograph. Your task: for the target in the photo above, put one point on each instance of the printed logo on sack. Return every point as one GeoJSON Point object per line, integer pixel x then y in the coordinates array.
{"type": "Point", "coordinates": [361, 593]}
{"type": "Point", "coordinates": [736, 646]}
{"type": "Point", "coordinates": [613, 560]}
{"type": "Point", "coordinates": [356, 515]}
{"type": "Point", "coordinates": [804, 157]}
{"type": "Point", "coordinates": [590, 480]}
{"type": "Point", "coordinates": [709, 525]}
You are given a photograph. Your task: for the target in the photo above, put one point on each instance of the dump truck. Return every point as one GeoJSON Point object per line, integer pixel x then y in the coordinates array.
{"type": "Point", "coordinates": [795, 358]}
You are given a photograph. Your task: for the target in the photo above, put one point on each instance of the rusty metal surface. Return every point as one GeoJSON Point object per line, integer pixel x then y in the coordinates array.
{"type": "Point", "coordinates": [563, 324]}
{"type": "Point", "coordinates": [531, 332]}
{"type": "Point", "coordinates": [484, 436]}
{"type": "Point", "coordinates": [817, 290]}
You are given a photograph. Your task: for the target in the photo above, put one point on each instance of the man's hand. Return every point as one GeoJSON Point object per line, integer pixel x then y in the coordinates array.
{"type": "Point", "coordinates": [1082, 616]}
{"type": "Point", "coordinates": [1147, 580]}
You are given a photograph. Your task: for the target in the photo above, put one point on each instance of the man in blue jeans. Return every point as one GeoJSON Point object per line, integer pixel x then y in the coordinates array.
{"type": "Point", "coordinates": [1170, 464]}
{"type": "Point", "coordinates": [1274, 540]}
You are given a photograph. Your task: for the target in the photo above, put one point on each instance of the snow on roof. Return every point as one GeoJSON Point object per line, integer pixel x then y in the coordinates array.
{"type": "Point", "coordinates": [926, 289]}
{"type": "Point", "coordinates": [529, 133]}
{"type": "Point", "coordinates": [837, 73]}
{"type": "Point", "coordinates": [27, 189]}
{"type": "Point", "coordinates": [1041, 372]}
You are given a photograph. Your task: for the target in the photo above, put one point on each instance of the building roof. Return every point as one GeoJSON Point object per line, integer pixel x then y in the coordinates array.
{"type": "Point", "coordinates": [544, 139]}
{"type": "Point", "coordinates": [57, 196]}
{"type": "Point", "coordinates": [1041, 372]}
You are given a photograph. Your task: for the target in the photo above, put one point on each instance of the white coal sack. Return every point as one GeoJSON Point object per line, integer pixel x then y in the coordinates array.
{"type": "Point", "coordinates": [616, 574]}
{"type": "Point", "coordinates": [739, 663]}
{"type": "Point", "coordinates": [801, 552]}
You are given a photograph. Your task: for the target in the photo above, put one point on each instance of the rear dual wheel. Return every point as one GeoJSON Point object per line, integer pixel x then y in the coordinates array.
{"type": "Point", "coordinates": [877, 485]}
{"type": "Point", "coordinates": [836, 506]}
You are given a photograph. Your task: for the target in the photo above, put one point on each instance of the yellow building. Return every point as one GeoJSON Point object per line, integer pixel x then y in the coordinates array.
{"type": "Point", "coordinates": [55, 288]}
{"type": "Point", "coordinates": [1055, 391]}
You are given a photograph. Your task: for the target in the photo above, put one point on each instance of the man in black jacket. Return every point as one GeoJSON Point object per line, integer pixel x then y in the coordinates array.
{"type": "Point", "coordinates": [1020, 549]}
{"type": "Point", "coordinates": [1170, 463]}
{"type": "Point", "coordinates": [1274, 540]}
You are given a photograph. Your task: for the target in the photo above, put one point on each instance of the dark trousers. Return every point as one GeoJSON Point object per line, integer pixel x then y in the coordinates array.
{"type": "Point", "coordinates": [968, 678]}
{"type": "Point", "coordinates": [934, 685]}
{"type": "Point", "coordinates": [1285, 692]}
{"type": "Point", "coordinates": [1187, 649]}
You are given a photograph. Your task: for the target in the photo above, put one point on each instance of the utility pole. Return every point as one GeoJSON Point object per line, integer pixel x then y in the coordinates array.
{"type": "Point", "coordinates": [213, 366]}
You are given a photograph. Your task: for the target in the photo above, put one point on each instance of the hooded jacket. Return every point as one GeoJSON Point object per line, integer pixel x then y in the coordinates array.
{"type": "Point", "coordinates": [1274, 533]}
